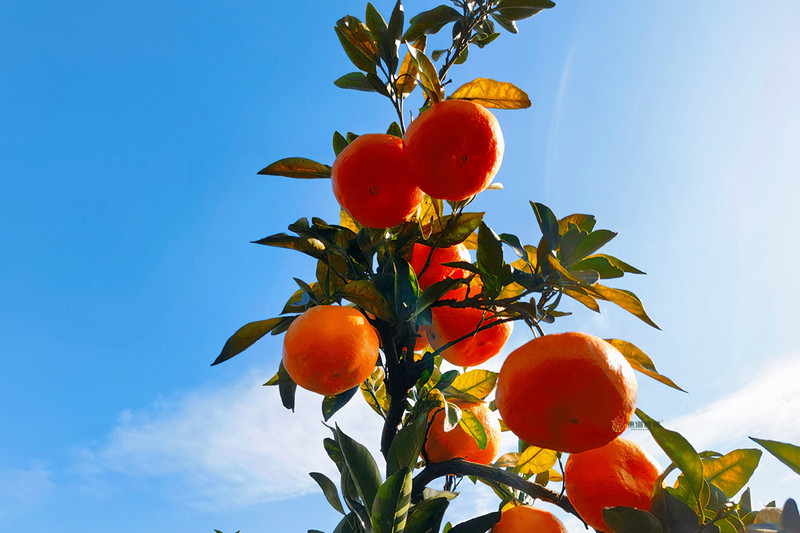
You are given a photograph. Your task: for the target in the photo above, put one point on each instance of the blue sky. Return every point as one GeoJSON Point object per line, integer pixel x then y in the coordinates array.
{"type": "Point", "coordinates": [130, 138]}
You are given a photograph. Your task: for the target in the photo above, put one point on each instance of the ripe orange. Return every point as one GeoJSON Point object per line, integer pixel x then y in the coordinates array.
{"type": "Point", "coordinates": [372, 181]}
{"type": "Point", "coordinates": [569, 392]}
{"type": "Point", "coordinates": [436, 271]}
{"type": "Point", "coordinates": [452, 323]}
{"type": "Point", "coordinates": [442, 445]}
{"type": "Point", "coordinates": [330, 349]}
{"type": "Point", "coordinates": [454, 149]}
{"type": "Point", "coordinates": [617, 474]}
{"type": "Point", "coordinates": [526, 519]}
{"type": "Point", "coordinates": [422, 339]}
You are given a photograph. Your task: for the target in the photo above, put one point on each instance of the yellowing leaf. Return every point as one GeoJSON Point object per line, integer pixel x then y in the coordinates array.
{"type": "Point", "coordinates": [491, 93]}
{"type": "Point", "coordinates": [507, 460]}
{"type": "Point", "coordinates": [428, 76]}
{"type": "Point", "coordinates": [579, 295]}
{"type": "Point", "coordinates": [348, 221]}
{"type": "Point", "coordinates": [471, 242]}
{"type": "Point", "coordinates": [555, 475]}
{"type": "Point", "coordinates": [625, 299]}
{"type": "Point", "coordinates": [472, 425]}
{"type": "Point", "coordinates": [509, 505]}
{"type": "Point", "coordinates": [478, 382]}
{"type": "Point", "coordinates": [535, 460]}
{"type": "Point", "coordinates": [407, 76]}
{"type": "Point", "coordinates": [788, 454]}
{"type": "Point", "coordinates": [641, 362]}
{"type": "Point", "coordinates": [511, 291]}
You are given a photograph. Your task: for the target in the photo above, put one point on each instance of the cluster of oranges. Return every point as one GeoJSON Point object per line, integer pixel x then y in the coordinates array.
{"type": "Point", "coordinates": [451, 151]}
{"type": "Point", "coordinates": [570, 392]}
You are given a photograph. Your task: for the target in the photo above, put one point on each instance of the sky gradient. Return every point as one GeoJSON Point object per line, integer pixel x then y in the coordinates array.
{"type": "Point", "coordinates": [131, 135]}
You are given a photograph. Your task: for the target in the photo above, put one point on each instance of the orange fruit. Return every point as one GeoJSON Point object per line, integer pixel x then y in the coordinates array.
{"type": "Point", "coordinates": [422, 339]}
{"type": "Point", "coordinates": [527, 519]}
{"type": "Point", "coordinates": [569, 392]}
{"type": "Point", "coordinates": [372, 181]}
{"type": "Point", "coordinates": [442, 445]}
{"type": "Point", "coordinates": [454, 149]}
{"type": "Point", "coordinates": [617, 474]}
{"type": "Point", "coordinates": [436, 271]}
{"type": "Point", "coordinates": [452, 323]}
{"type": "Point", "coordinates": [330, 349]}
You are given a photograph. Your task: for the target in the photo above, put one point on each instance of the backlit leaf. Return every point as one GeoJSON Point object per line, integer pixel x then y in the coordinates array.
{"type": "Point", "coordinates": [491, 93]}
{"type": "Point", "coordinates": [788, 454]}
{"type": "Point", "coordinates": [731, 471]}
{"type": "Point", "coordinates": [625, 299]}
{"type": "Point", "coordinates": [479, 383]}
{"type": "Point", "coordinates": [472, 425]}
{"type": "Point", "coordinates": [535, 460]}
{"type": "Point", "coordinates": [407, 75]}
{"type": "Point", "coordinates": [297, 167]}
{"type": "Point", "coordinates": [428, 76]}
{"type": "Point", "coordinates": [392, 501]}
{"type": "Point", "coordinates": [641, 362]}
{"type": "Point", "coordinates": [245, 337]}
{"type": "Point", "coordinates": [507, 460]}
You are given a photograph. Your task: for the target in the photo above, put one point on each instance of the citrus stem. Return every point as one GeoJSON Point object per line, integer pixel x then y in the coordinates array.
{"type": "Point", "coordinates": [462, 467]}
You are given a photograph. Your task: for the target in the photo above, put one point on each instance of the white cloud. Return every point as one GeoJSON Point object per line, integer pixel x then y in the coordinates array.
{"type": "Point", "coordinates": [22, 488]}
{"type": "Point", "coordinates": [229, 447]}
{"type": "Point", "coordinates": [766, 406]}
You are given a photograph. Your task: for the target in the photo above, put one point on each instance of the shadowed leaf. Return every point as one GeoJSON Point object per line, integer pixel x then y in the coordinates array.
{"type": "Point", "coordinates": [406, 446]}
{"type": "Point", "coordinates": [329, 490]}
{"type": "Point", "coordinates": [286, 387]}
{"type": "Point", "coordinates": [297, 167]}
{"type": "Point", "coordinates": [430, 21]}
{"type": "Point", "coordinates": [480, 524]}
{"type": "Point", "coordinates": [365, 294]}
{"type": "Point", "coordinates": [427, 516]}
{"type": "Point", "coordinates": [630, 520]}
{"type": "Point", "coordinates": [356, 81]}
{"type": "Point", "coordinates": [362, 467]}
{"type": "Point", "coordinates": [332, 403]}
{"type": "Point", "coordinates": [245, 337]}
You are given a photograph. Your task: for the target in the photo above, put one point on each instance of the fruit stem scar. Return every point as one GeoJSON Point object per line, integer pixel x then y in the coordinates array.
{"type": "Point", "coordinates": [373, 191]}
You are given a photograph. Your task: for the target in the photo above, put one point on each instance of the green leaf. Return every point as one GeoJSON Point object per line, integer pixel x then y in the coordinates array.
{"type": "Point", "coordinates": [490, 250]}
{"type": "Point", "coordinates": [406, 289]}
{"type": "Point", "coordinates": [430, 295]}
{"type": "Point", "coordinates": [365, 294]}
{"type": "Point", "coordinates": [406, 446]}
{"type": "Point", "coordinates": [584, 223]}
{"type": "Point", "coordinates": [447, 232]}
{"type": "Point", "coordinates": [745, 505]}
{"type": "Point", "coordinates": [521, 9]}
{"type": "Point", "coordinates": [516, 245]}
{"type": "Point", "coordinates": [392, 501]}
{"type": "Point", "coordinates": [375, 21]}
{"type": "Point", "coordinates": [491, 93]}
{"type": "Point", "coordinates": [788, 454]}
{"type": "Point", "coordinates": [548, 224]}
{"type": "Point", "coordinates": [593, 242]}
{"type": "Point", "coordinates": [286, 387]}
{"type": "Point", "coordinates": [394, 129]}
{"type": "Point", "coordinates": [362, 467]}
{"type": "Point", "coordinates": [426, 517]}
{"type": "Point", "coordinates": [348, 524]}
{"type": "Point", "coordinates": [472, 425]}
{"type": "Point", "coordinates": [507, 24]}
{"type": "Point", "coordinates": [480, 524]}
{"type": "Point", "coordinates": [430, 21]}
{"type": "Point", "coordinates": [630, 520]}
{"type": "Point", "coordinates": [356, 81]}
{"type": "Point", "coordinates": [389, 44]}
{"type": "Point", "coordinates": [329, 490]}
{"type": "Point", "coordinates": [245, 337]}
{"type": "Point", "coordinates": [332, 403]}
{"type": "Point", "coordinates": [678, 450]}
{"type": "Point", "coordinates": [297, 167]}
{"type": "Point", "coordinates": [605, 268]}
{"type": "Point", "coordinates": [625, 299]}
{"type": "Point", "coordinates": [478, 383]}
{"type": "Point", "coordinates": [306, 245]}
{"type": "Point", "coordinates": [641, 362]}
{"type": "Point", "coordinates": [731, 472]}
{"type": "Point", "coordinates": [339, 143]}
